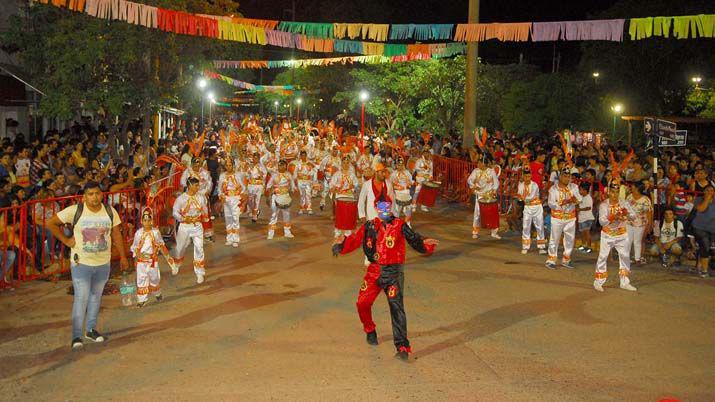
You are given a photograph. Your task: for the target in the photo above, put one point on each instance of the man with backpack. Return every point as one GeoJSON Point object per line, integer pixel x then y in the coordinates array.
{"type": "Point", "coordinates": [95, 228]}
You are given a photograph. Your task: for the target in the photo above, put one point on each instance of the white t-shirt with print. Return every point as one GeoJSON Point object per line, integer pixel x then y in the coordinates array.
{"type": "Point", "coordinates": [671, 231]}
{"type": "Point", "coordinates": [92, 235]}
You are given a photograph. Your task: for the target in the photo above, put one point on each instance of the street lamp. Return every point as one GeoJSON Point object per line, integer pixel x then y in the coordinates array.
{"type": "Point", "coordinates": [617, 110]}
{"type": "Point", "coordinates": [697, 80]}
{"type": "Point", "coordinates": [275, 103]}
{"type": "Point", "coordinates": [595, 76]}
{"type": "Point", "coordinates": [298, 102]}
{"type": "Point", "coordinates": [202, 83]}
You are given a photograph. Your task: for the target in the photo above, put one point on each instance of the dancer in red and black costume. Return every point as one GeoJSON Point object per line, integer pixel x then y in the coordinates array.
{"type": "Point", "coordinates": [383, 241]}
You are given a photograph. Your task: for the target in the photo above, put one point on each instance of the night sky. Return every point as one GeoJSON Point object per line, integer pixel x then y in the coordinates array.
{"type": "Point", "coordinates": [442, 11]}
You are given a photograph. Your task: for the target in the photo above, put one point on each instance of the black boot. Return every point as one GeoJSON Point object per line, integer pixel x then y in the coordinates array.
{"type": "Point", "coordinates": [372, 338]}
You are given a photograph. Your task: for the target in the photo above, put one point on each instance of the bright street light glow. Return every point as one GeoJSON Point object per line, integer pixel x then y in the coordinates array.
{"type": "Point", "coordinates": [299, 101]}
{"type": "Point", "coordinates": [364, 96]}
{"type": "Point", "coordinates": [618, 108]}
{"type": "Point", "coordinates": [596, 74]}
{"type": "Point", "coordinates": [697, 79]}
{"type": "Point", "coordinates": [202, 83]}
{"type": "Point", "coordinates": [275, 103]}
{"type": "Point", "coordinates": [211, 96]}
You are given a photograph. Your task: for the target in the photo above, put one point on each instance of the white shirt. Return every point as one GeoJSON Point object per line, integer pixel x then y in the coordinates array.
{"type": "Point", "coordinates": [586, 202]}
{"type": "Point", "coordinates": [366, 203]}
{"type": "Point", "coordinates": [671, 231]}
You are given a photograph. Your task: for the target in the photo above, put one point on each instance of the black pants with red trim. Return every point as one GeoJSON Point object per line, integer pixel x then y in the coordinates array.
{"type": "Point", "coordinates": [390, 279]}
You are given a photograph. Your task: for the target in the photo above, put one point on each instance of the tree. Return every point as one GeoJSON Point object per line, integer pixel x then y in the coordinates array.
{"type": "Point", "coordinates": [113, 69]}
{"type": "Point", "coordinates": [549, 102]}
{"type": "Point", "coordinates": [701, 102]}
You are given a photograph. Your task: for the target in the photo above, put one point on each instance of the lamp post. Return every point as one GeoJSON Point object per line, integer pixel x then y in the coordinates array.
{"type": "Point", "coordinates": [595, 76]}
{"type": "Point", "coordinates": [212, 99]}
{"type": "Point", "coordinates": [364, 96]}
{"type": "Point", "coordinates": [202, 84]}
{"type": "Point", "coordinates": [617, 110]}
{"type": "Point", "coordinates": [275, 104]}
{"type": "Point", "coordinates": [298, 102]}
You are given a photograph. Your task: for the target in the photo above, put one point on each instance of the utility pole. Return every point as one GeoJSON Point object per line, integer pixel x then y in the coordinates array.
{"type": "Point", "coordinates": [470, 94]}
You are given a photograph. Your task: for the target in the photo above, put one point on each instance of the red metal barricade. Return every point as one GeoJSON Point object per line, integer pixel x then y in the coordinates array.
{"type": "Point", "coordinates": [28, 250]}
{"type": "Point", "coordinates": [453, 173]}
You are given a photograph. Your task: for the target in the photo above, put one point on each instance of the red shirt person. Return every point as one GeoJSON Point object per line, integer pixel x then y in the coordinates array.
{"type": "Point", "coordinates": [383, 241]}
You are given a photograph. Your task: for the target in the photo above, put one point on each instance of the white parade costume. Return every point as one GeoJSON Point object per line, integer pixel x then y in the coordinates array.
{"type": "Point", "coordinates": [190, 211]}
{"type": "Point", "coordinates": [256, 178]}
{"type": "Point", "coordinates": [563, 220]}
{"type": "Point", "coordinates": [280, 184]}
{"type": "Point", "coordinates": [614, 235]}
{"type": "Point", "coordinates": [533, 214]}
{"type": "Point", "coordinates": [231, 188]}
{"type": "Point", "coordinates": [145, 249]}
{"type": "Point", "coordinates": [484, 183]}
{"type": "Point", "coordinates": [402, 183]}
{"type": "Point", "coordinates": [306, 175]}
{"type": "Point", "coordinates": [424, 170]}
{"type": "Point", "coordinates": [344, 185]}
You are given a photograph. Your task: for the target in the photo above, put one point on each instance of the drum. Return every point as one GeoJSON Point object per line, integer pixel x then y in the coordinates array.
{"type": "Point", "coordinates": [489, 215]}
{"type": "Point", "coordinates": [403, 198]}
{"type": "Point", "coordinates": [283, 201]}
{"type": "Point", "coordinates": [428, 193]}
{"type": "Point", "coordinates": [346, 213]}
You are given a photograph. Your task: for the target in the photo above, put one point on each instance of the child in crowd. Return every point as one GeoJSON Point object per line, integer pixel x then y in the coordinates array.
{"type": "Point", "coordinates": [585, 217]}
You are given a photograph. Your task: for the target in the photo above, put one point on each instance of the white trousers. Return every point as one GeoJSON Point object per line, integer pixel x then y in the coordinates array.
{"type": "Point", "coordinates": [399, 210]}
{"type": "Point", "coordinates": [635, 240]}
{"type": "Point", "coordinates": [190, 233]}
{"type": "Point", "coordinates": [305, 188]}
{"type": "Point", "coordinates": [275, 211]}
{"type": "Point", "coordinates": [148, 277]}
{"type": "Point", "coordinates": [326, 189]}
{"type": "Point", "coordinates": [232, 213]}
{"type": "Point", "coordinates": [255, 192]}
{"type": "Point", "coordinates": [533, 215]}
{"type": "Point", "coordinates": [622, 245]}
{"type": "Point", "coordinates": [568, 229]}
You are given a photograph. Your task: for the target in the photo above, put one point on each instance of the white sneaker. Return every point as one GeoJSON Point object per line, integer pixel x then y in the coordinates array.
{"type": "Point", "coordinates": [310, 212]}
{"type": "Point", "coordinates": [475, 235]}
{"type": "Point", "coordinates": [598, 287]}
{"type": "Point", "coordinates": [424, 209]}
{"type": "Point", "coordinates": [629, 287]}
{"type": "Point", "coordinates": [270, 234]}
{"type": "Point", "coordinates": [496, 236]}
{"type": "Point", "coordinates": [300, 212]}
{"type": "Point", "coordinates": [199, 279]}
{"type": "Point", "coordinates": [174, 269]}
{"type": "Point", "coordinates": [228, 243]}
{"type": "Point", "coordinates": [288, 234]}
{"type": "Point", "coordinates": [524, 251]}
{"type": "Point", "coordinates": [414, 208]}
{"type": "Point", "coordinates": [542, 251]}
{"type": "Point", "coordinates": [235, 244]}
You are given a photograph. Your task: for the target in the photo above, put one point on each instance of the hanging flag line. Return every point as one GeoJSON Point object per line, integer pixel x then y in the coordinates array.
{"type": "Point", "coordinates": [301, 63]}
{"type": "Point", "coordinates": [341, 37]}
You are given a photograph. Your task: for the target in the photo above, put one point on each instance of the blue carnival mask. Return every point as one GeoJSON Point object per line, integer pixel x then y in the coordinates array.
{"type": "Point", "coordinates": [384, 209]}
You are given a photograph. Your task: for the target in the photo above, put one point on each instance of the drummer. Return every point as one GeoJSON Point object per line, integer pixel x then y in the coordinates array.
{"type": "Point", "coordinates": [424, 170]}
{"type": "Point", "coordinates": [282, 185]}
{"type": "Point", "coordinates": [344, 184]}
{"type": "Point", "coordinates": [402, 182]}
{"type": "Point", "coordinates": [484, 182]}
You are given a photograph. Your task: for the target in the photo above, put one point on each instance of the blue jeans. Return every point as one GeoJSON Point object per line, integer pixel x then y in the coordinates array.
{"type": "Point", "coordinates": [88, 283]}
{"type": "Point", "coordinates": [8, 258]}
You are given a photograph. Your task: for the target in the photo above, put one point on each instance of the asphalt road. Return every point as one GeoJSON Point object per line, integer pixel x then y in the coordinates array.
{"type": "Point", "coordinates": [276, 320]}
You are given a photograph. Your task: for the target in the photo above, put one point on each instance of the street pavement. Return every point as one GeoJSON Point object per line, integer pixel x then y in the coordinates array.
{"type": "Point", "coordinates": [276, 320]}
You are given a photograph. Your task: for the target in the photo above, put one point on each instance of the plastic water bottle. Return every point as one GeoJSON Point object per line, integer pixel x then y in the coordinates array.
{"type": "Point", "coordinates": [128, 290]}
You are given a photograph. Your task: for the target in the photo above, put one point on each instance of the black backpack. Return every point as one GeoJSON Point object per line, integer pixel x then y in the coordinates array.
{"type": "Point", "coordinates": [80, 208]}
